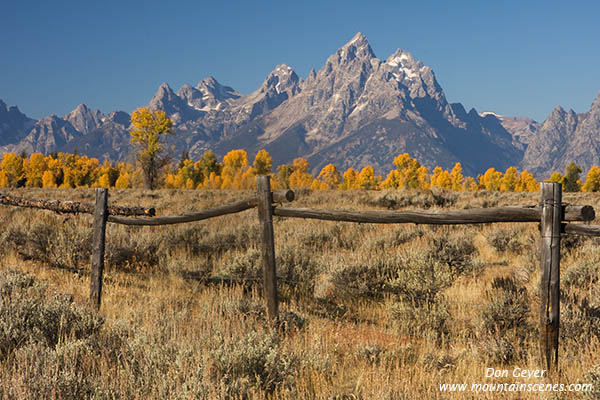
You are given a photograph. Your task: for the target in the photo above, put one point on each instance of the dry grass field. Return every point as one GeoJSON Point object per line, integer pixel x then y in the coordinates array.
{"type": "Point", "coordinates": [368, 311]}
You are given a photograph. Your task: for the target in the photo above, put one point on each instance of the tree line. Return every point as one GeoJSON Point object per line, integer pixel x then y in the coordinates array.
{"type": "Point", "coordinates": [155, 170]}
{"type": "Point", "coordinates": [234, 171]}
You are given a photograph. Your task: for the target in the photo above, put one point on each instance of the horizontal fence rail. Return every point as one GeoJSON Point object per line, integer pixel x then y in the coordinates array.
{"type": "Point", "coordinates": [239, 206]}
{"type": "Point", "coordinates": [468, 216]}
{"type": "Point", "coordinates": [73, 207]}
{"type": "Point", "coordinates": [587, 230]}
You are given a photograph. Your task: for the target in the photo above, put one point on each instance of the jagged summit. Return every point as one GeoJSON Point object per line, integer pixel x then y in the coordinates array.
{"type": "Point", "coordinates": [211, 87]}
{"type": "Point", "coordinates": [283, 78]}
{"type": "Point", "coordinates": [359, 40]}
{"type": "Point", "coordinates": [14, 125]}
{"type": "Point", "coordinates": [84, 119]}
{"type": "Point", "coordinates": [596, 102]}
{"type": "Point", "coordinates": [163, 95]}
{"type": "Point", "coordinates": [357, 47]}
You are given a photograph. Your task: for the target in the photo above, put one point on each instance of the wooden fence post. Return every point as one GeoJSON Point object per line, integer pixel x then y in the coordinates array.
{"type": "Point", "coordinates": [550, 282]}
{"type": "Point", "coordinates": [265, 217]}
{"type": "Point", "coordinates": [98, 240]}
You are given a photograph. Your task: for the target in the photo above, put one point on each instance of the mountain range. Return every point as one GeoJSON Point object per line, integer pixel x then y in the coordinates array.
{"type": "Point", "coordinates": [356, 110]}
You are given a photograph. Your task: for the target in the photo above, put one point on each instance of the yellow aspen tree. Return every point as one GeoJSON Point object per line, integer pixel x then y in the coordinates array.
{"type": "Point", "coordinates": [213, 181]}
{"type": "Point", "coordinates": [527, 183]}
{"type": "Point", "coordinates": [12, 166]}
{"type": "Point", "coordinates": [437, 171]}
{"type": "Point", "coordinates": [56, 168]}
{"type": "Point", "coordinates": [558, 178]}
{"type": "Point", "coordinates": [441, 178]}
{"type": "Point", "coordinates": [48, 179]}
{"type": "Point", "coordinates": [170, 181]}
{"type": "Point", "coordinates": [248, 179]}
{"type": "Point", "coordinates": [148, 128]}
{"type": "Point", "coordinates": [282, 179]}
{"type": "Point", "coordinates": [235, 163]}
{"type": "Point", "coordinates": [423, 177]}
{"type": "Point", "coordinates": [3, 179]}
{"type": "Point", "coordinates": [470, 184]}
{"type": "Point", "coordinates": [592, 180]}
{"type": "Point", "coordinates": [111, 171]}
{"type": "Point", "coordinates": [34, 169]}
{"type": "Point", "coordinates": [509, 181]}
{"type": "Point", "coordinates": [409, 171]}
{"type": "Point", "coordinates": [85, 172]}
{"type": "Point", "coordinates": [366, 178]}
{"type": "Point", "coordinates": [491, 179]}
{"type": "Point", "coordinates": [300, 177]}
{"type": "Point", "coordinates": [262, 163]}
{"type": "Point", "coordinates": [124, 180]}
{"type": "Point", "coordinates": [103, 181]}
{"type": "Point", "coordinates": [350, 180]}
{"type": "Point", "coordinates": [456, 177]}
{"type": "Point", "coordinates": [319, 185]}
{"type": "Point", "coordinates": [393, 180]}
{"type": "Point", "coordinates": [330, 177]}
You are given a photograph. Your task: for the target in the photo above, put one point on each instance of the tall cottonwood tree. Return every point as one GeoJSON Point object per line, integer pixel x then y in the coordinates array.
{"type": "Point", "coordinates": [148, 129]}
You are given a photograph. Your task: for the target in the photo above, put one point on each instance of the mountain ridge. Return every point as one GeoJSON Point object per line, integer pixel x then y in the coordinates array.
{"type": "Point", "coordinates": [355, 110]}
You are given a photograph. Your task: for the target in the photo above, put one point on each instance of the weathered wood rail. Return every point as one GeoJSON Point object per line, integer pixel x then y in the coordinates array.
{"type": "Point", "coordinates": [551, 214]}
{"type": "Point", "coordinates": [73, 207]}
{"type": "Point", "coordinates": [455, 217]}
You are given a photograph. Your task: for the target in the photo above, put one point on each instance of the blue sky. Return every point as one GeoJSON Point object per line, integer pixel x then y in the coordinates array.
{"type": "Point", "coordinates": [512, 57]}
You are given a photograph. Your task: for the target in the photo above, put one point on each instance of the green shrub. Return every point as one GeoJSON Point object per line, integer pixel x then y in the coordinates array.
{"type": "Point", "coordinates": [504, 324]}
{"type": "Point", "coordinates": [30, 313]}
{"type": "Point", "coordinates": [397, 199]}
{"type": "Point", "coordinates": [580, 300]}
{"type": "Point", "coordinates": [244, 265]}
{"type": "Point", "coordinates": [457, 252]}
{"type": "Point", "coordinates": [505, 240]}
{"type": "Point", "coordinates": [428, 319]}
{"type": "Point", "coordinates": [48, 240]}
{"type": "Point", "coordinates": [255, 362]}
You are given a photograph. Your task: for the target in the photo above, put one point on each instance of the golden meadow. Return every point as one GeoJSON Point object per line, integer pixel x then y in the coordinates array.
{"type": "Point", "coordinates": [368, 311]}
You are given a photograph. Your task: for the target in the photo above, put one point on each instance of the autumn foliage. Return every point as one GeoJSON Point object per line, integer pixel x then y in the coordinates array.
{"type": "Point", "coordinates": [235, 171]}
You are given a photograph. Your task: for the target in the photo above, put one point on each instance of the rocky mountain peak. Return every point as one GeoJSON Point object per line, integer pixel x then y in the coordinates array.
{"type": "Point", "coordinates": [557, 113]}
{"type": "Point", "coordinates": [163, 97]}
{"type": "Point", "coordinates": [596, 103]}
{"type": "Point", "coordinates": [358, 41]}
{"type": "Point", "coordinates": [357, 47]}
{"type": "Point", "coordinates": [83, 119]}
{"type": "Point", "coordinates": [14, 125]}
{"type": "Point", "coordinates": [193, 96]}
{"type": "Point", "coordinates": [403, 67]}
{"type": "Point", "coordinates": [282, 79]}
{"type": "Point", "coordinates": [13, 111]}
{"type": "Point", "coordinates": [212, 88]}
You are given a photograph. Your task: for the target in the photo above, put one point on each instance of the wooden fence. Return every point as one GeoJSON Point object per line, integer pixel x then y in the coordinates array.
{"type": "Point", "coordinates": [551, 213]}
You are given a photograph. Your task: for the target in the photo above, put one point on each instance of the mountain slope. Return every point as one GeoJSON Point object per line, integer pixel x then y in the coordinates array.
{"type": "Point", "coordinates": [565, 137]}
{"type": "Point", "coordinates": [14, 125]}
